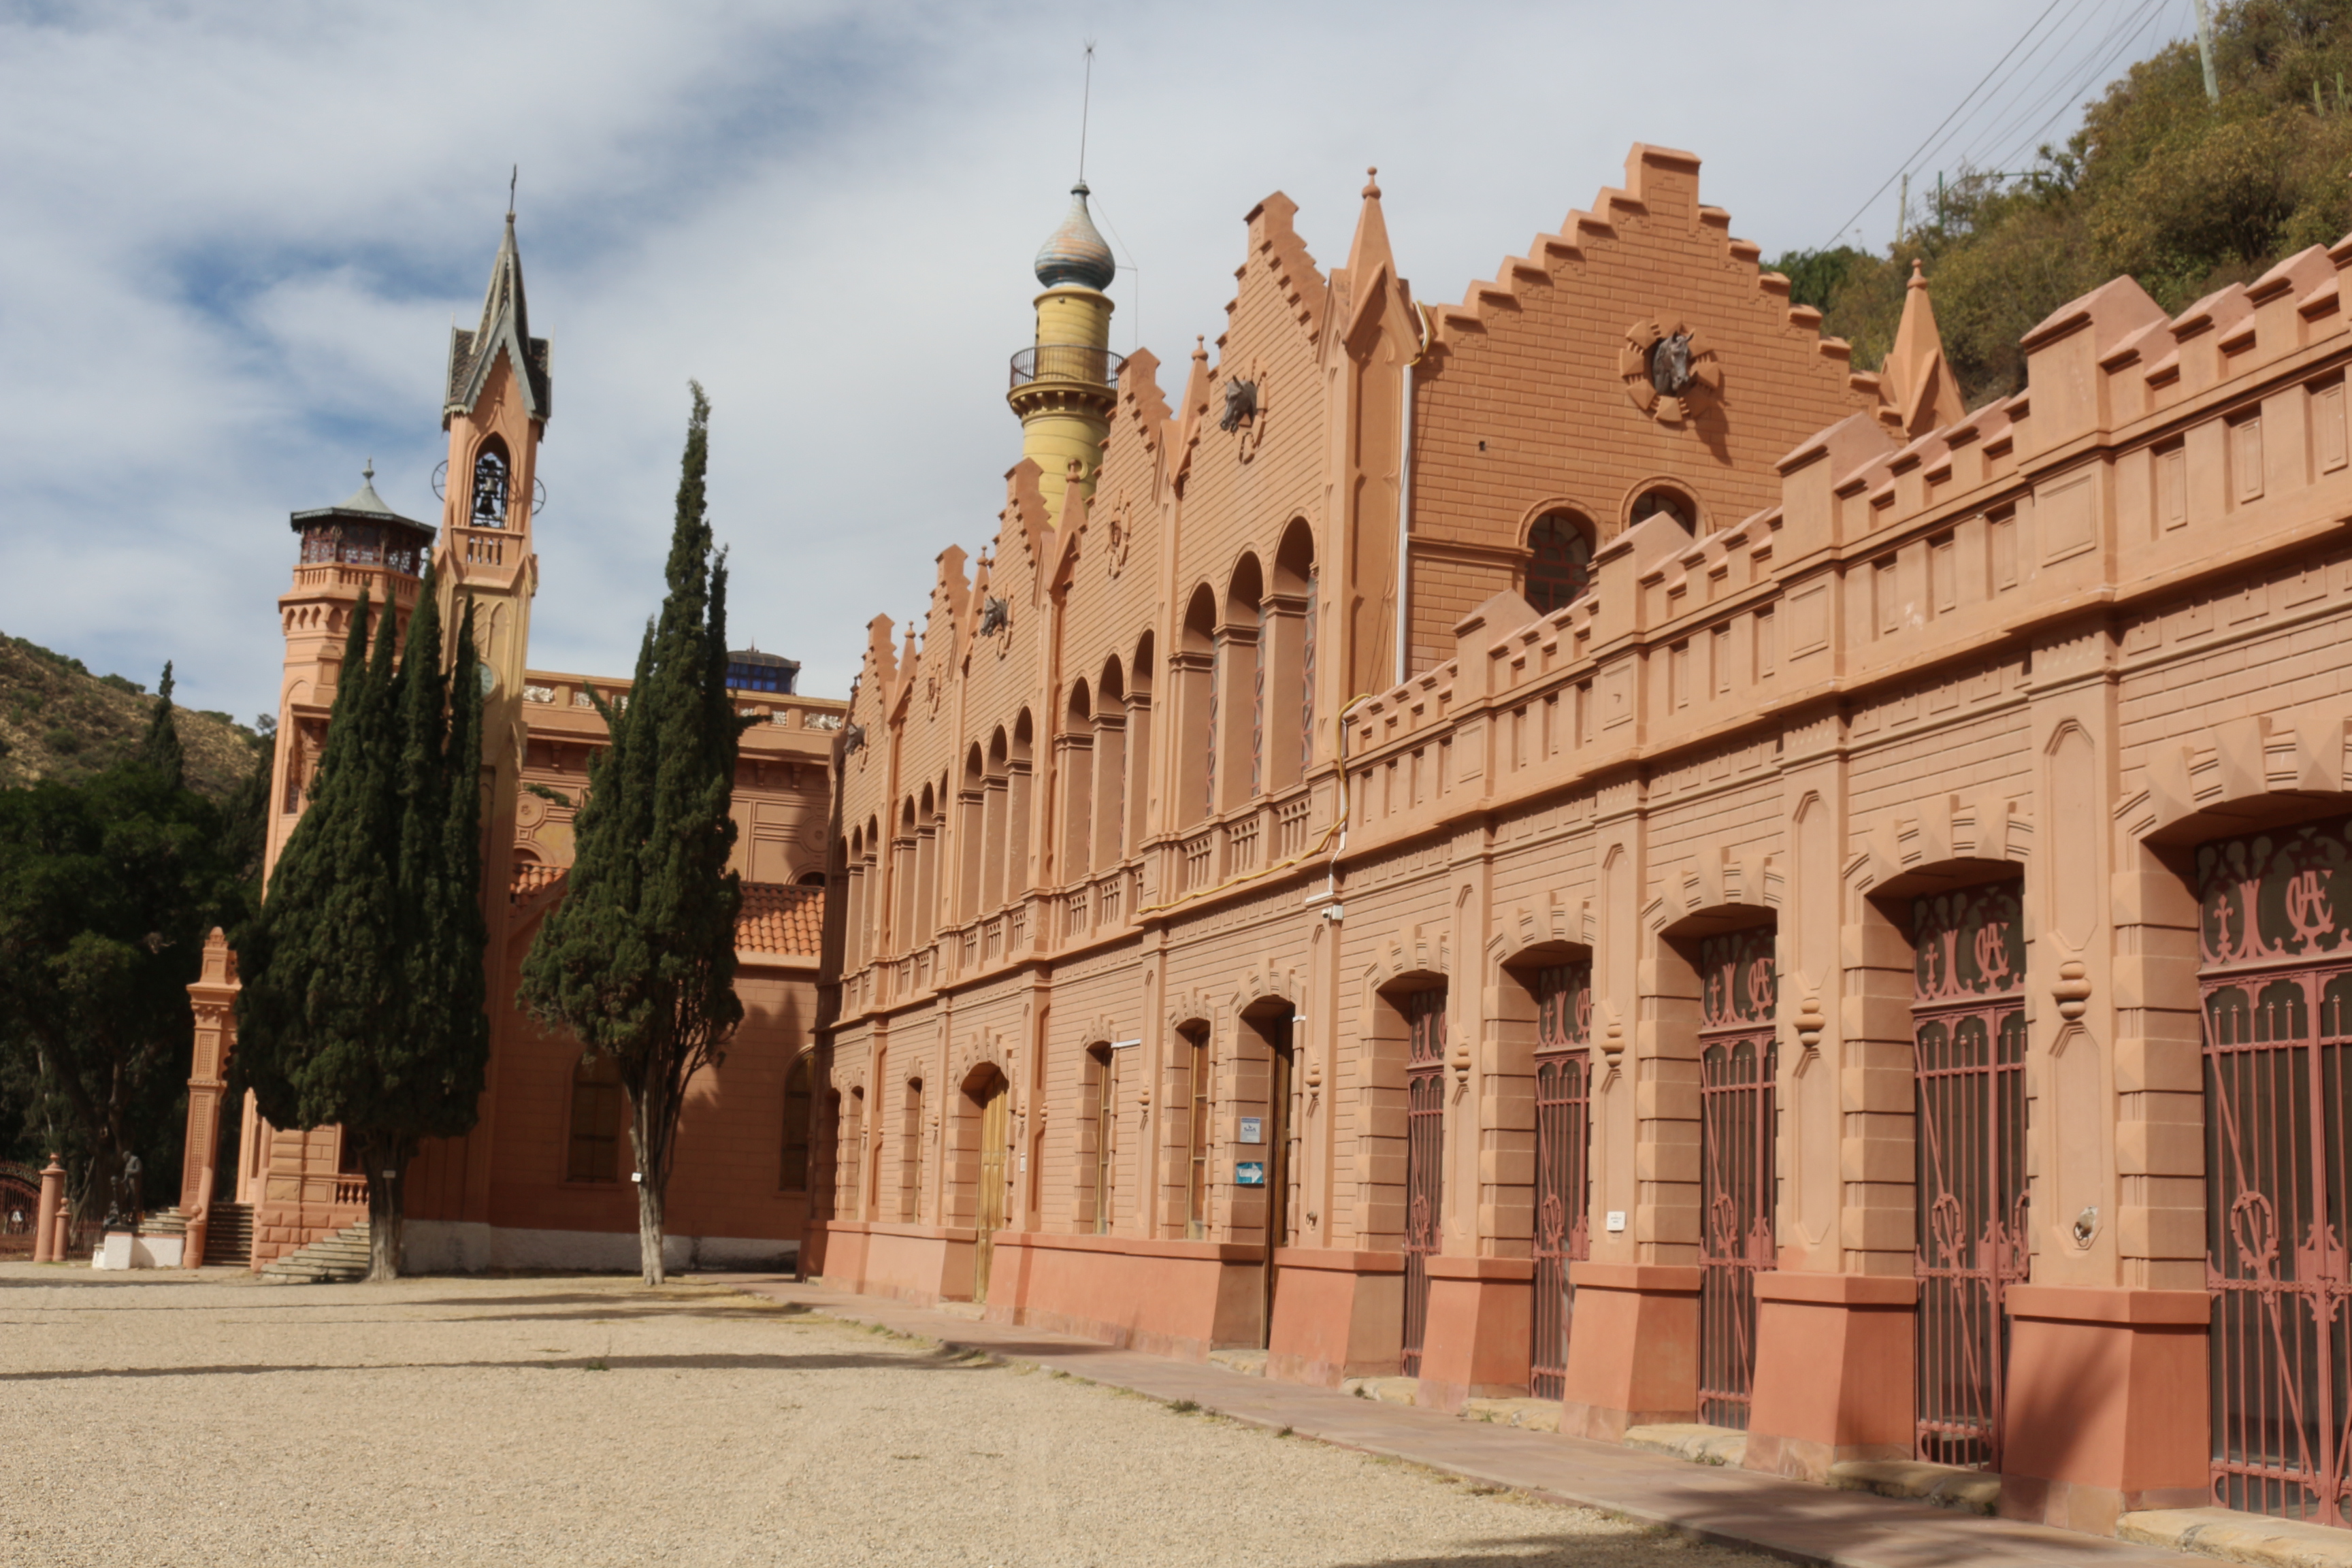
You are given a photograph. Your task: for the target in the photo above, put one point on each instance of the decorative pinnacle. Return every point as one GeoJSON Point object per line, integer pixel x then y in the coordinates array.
{"type": "Point", "coordinates": [368, 473]}
{"type": "Point", "coordinates": [1372, 181]}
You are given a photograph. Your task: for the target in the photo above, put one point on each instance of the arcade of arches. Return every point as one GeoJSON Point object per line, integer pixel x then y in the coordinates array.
{"type": "Point", "coordinates": [1790, 905]}
{"type": "Point", "coordinates": [1761, 897]}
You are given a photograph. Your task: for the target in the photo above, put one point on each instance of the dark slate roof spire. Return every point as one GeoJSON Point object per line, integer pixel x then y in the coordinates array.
{"type": "Point", "coordinates": [506, 321]}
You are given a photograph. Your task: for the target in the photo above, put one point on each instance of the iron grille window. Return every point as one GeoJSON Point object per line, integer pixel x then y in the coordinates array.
{"type": "Point", "coordinates": [1563, 1165]}
{"type": "Point", "coordinates": [1424, 1153]}
{"type": "Point", "coordinates": [1968, 1023]}
{"type": "Point", "coordinates": [1737, 1180]}
{"type": "Point", "coordinates": [2276, 979]}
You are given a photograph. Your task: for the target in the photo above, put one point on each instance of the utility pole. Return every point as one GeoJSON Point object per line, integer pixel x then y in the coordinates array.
{"type": "Point", "coordinates": [2205, 50]}
{"type": "Point", "coordinates": [1902, 211]}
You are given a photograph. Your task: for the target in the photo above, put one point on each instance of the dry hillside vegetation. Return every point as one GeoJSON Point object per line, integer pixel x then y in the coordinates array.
{"type": "Point", "coordinates": [58, 720]}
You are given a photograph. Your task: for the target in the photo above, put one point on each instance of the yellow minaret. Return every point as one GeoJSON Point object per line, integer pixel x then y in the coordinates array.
{"type": "Point", "coordinates": [1065, 385]}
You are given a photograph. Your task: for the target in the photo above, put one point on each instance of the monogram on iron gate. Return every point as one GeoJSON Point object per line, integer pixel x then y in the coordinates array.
{"type": "Point", "coordinates": [1424, 1152]}
{"type": "Point", "coordinates": [1563, 1165]}
{"type": "Point", "coordinates": [1739, 1004]}
{"type": "Point", "coordinates": [1968, 1031]}
{"type": "Point", "coordinates": [2275, 981]}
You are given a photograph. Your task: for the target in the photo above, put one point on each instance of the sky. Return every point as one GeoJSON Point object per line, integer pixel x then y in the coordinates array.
{"type": "Point", "coordinates": [233, 240]}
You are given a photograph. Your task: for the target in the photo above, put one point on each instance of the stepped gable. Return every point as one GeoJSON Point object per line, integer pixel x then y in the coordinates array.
{"type": "Point", "coordinates": [1535, 395]}
{"type": "Point", "coordinates": [1275, 247]}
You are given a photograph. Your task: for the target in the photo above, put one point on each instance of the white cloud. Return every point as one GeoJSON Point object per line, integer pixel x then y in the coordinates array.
{"type": "Point", "coordinates": [231, 243]}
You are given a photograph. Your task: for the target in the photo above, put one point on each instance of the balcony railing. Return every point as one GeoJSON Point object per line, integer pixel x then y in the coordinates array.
{"type": "Point", "coordinates": [1066, 362]}
{"type": "Point", "coordinates": [1290, 828]}
{"type": "Point", "coordinates": [1200, 860]}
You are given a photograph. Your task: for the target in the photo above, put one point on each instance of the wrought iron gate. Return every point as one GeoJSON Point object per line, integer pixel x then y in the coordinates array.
{"type": "Point", "coordinates": [1736, 1180]}
{"type": "Point", "coordinates": [1424, 1153]}
{"type": "Point", "coordinates": [2277, 985]}
{"type": "Point", "coordinates": [1967, 1030]}
{"type": "Point", "coordinates": [1563, 1165]}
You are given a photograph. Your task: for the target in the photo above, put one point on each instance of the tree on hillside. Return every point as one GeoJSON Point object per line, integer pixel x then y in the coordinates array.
{"type": "Point", "coordinates": [108, 886]}
{"type": "Point", "coordinates": [363, 988]}
{"type": "Point", "coordinates": [638, 959]}
{"type": "Point", "coordinates": [2183, 195]}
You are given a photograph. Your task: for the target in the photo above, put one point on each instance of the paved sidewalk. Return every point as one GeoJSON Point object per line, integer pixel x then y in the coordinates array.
{"type": "Point", "coordinates": [1790, 1519]}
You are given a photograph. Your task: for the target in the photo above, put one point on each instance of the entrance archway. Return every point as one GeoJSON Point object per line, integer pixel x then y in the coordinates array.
{"type": "Point", "coordinates": [988, 1107]}
{"type": "Point", "coordinates": [1268, 1136]}
{"type": "Point", "coordinates": [1739, 1010]}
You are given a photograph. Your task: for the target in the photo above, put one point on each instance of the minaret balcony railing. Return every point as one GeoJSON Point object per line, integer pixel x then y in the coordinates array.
{"type": "Point", "coordinates": [1066, 362]}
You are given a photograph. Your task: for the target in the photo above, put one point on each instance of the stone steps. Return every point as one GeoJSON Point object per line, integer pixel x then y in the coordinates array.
{"type": "Point", "coordinates": [228, 1238]}
{"type": "Point", "coordinates": [333, 1260]}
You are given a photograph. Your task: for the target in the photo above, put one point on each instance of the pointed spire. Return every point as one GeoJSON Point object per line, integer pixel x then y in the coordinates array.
{"type": "Point", "coordinates": [1371, 249]}
{"type": "Point", "coordinates": [1916, 380]}
{"type": "Point", "coordinates": [506, 321]}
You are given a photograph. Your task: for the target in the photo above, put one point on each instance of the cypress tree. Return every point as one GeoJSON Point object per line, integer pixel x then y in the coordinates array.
{"type": "Point", "coordinates": [159, 748]}
{"type": "Point", "coordinates": [638, 960]}
{"type": "Point", "coordinates": [363, 1001]}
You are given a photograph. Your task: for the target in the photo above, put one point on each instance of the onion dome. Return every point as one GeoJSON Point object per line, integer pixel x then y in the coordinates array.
{"type": "Point", "coordinates": [1076, 253]}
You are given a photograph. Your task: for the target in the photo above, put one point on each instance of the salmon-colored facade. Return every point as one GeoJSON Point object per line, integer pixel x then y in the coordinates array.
{"type": "Point", "coordinates": [1743, 962]}
{"type": "Point", "coordinates": [543, 1179]}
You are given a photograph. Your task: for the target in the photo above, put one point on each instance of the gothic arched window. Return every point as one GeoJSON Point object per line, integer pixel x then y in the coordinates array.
{"type": "Point", "coordinates": [1559, 563]}
{"type": "Point", "coordinates": [490, 485]}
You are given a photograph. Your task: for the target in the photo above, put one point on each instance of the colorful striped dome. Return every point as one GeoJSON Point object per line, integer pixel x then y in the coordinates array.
{"type": "Point", "coordinates": [1074, 253]}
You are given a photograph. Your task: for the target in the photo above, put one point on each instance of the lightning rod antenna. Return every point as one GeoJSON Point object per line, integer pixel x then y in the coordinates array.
{"type": "Point", "coordinates": [513, 175]}
{"type": "Point", "coordinates": [1086, 107]}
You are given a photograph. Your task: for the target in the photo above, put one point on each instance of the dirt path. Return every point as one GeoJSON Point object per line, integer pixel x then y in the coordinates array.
{"type": "Point", "coordinates": [179, 1419]}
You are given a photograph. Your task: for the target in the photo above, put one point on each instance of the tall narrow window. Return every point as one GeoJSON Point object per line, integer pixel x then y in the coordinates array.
{"type": "Point", "coordinates": [910, 1152]}
{"type": "Point", "coordinates": [1257, 705]}
{"type": "Point", "coordinates": [1306, 676]}
{"type": "Point", "coordinates": [1105, 1064]}
{"type": "Point", "coordinates": [595, 1151]}
{"type": "Point", "coordinates": [799, 1103]}
{"type": "Point", "coordinates": [1197, 1067]}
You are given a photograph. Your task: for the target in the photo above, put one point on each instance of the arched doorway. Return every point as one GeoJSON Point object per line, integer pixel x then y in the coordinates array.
{"type": "Point", "coordinates": [2275, 978]}
{"type": "Point", "coordinates": [989, 1107]}
{"type": "Point", "coordinates": [1424, 1158]}
{"type": "Point", "coordinates": [1267, 1160]}
{"type": "Point", "coordinates": [1738, 1005]}
{"type": "Point", "coordinates": [1967, 1030]}
{"type": "Point", "coordinates": [1563, 1079]}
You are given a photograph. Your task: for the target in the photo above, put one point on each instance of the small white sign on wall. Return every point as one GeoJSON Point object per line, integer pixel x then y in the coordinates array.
{"type": "Point", "coordinates": [1253, 1130]}
{"type": "Point", "coordinates": [1616, 1220]}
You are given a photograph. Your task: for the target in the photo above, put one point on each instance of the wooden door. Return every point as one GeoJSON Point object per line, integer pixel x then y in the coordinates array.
{"type": "Point", "coordinates": [995, 1136]}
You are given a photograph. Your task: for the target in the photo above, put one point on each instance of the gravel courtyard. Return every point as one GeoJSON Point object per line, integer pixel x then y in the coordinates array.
{"type": "Point", "coordinates": [208, 1419]}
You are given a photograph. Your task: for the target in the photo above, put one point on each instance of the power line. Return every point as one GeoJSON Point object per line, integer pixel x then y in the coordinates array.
{"type": "Point", "coordinates": [1993, 102]}
{"type": "Point", "coordinates": [2069, 88]}
{"type": "Point", "coordinates": [2016, 110]}
{"type": "Point", "coordinates": [2155, 14]}
{"type": "Point", "coordinates": [1947, 119]}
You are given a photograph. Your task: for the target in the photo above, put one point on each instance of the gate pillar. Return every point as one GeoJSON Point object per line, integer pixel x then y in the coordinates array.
{"type": "Point", "coordinates": [2106, 1407]}
{"type": "Point", "coordinates": [1633, 1358]}
{"type": "Point", "coordinates": [1834, 1364]}
{"type": "Point", "coordinates": [1476, 1346]}
{"type": "Point", "coordinates": [48, 1221]}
